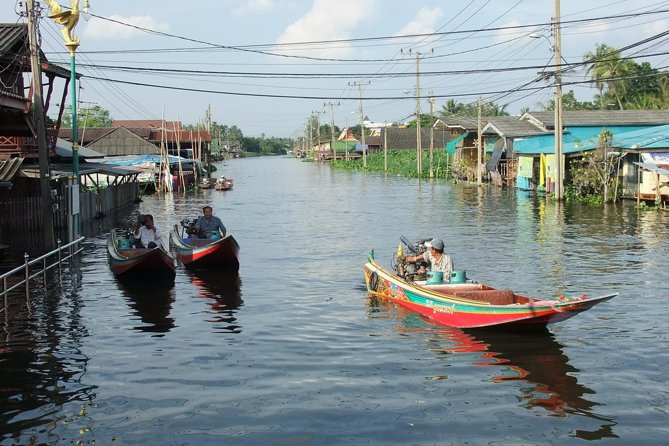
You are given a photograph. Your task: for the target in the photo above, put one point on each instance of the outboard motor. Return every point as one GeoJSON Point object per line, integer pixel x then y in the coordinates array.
{"type": "Point", "coordinates": [189, 226]}
{"type": "Point", "coordinates": [411, 271]}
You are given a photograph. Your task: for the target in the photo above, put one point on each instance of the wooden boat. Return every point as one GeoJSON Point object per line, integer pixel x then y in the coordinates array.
{"type": "Point", "coordinates": [224, 183]}
{"type": "Point", "coordinates": [124, 260]}
{"type": "Point", "coordinates": [220, 250]}
{"type": "Point", "coordinates": [471, 304]}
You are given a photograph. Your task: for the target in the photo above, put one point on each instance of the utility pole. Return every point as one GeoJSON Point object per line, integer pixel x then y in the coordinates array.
{"type": "Point", "coordinates": [432, 113]}
{"type": "Point", "coordinates": [479, 144]}
{"type": "Point", "coordinates": [559, 162]}
{"type": "Point", "coordinates": [40, 125]}
{"type": "Point", "coordinates": [208, 154]}
{"type": "Point", "coordinates": [385, 146]}
{"type": "Point", "coordinates": [318, 127]}
{"type": "Point", "coordinates": [332, 129]}
{"type": "Point", "coordinates": [419, 142]}
{"type": "Point", "coordinates": [362, 125]}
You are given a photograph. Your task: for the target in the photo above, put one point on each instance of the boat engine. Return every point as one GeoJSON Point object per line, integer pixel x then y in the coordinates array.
{"type": "Point", "coordinates": [411, 271]}
{"type": "Point", "coordinates": [188, 226]}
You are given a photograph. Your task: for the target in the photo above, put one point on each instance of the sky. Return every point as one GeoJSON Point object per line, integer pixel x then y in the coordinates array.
{"type": "Point", "coordinates": [267, 65]}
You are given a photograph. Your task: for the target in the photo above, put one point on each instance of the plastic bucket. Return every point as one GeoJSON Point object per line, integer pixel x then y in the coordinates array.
{"type": "Point", "coordinates": [123, 243]}
{"type": "Point", "coordinates": [435, 277]}
{"type": "Point", "coordinates": [458, 276]}
{"type": "Point", "coordinates": [214, 235]}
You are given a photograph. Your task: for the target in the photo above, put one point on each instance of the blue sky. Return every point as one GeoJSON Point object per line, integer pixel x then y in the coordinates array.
{"type": "Point", "coordinates": [266, 65]}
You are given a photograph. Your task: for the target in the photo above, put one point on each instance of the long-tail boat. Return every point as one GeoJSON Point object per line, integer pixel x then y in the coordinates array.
{"type": "Point", "coordinates": [217, 250]}
{"type": "Point", "coordinates": [125, 260]}
{"type": "Point", "coordinates": [470, 305]}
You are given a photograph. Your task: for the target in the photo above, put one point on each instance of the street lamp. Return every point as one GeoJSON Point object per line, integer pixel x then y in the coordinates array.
{"type": "Point", "coordinates": [69, 20]}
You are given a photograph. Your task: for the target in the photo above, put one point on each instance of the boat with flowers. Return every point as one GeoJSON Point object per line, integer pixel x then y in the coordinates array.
{"type": "Point", "coordinates": [461, 302]}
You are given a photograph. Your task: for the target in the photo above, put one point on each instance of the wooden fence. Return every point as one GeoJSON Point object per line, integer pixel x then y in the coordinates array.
{"type": "Point", "coordinates": [24, 213]}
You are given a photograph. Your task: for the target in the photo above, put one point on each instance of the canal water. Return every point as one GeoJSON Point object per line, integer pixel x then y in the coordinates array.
{"type": "Point", "coordinates": [293, 352]}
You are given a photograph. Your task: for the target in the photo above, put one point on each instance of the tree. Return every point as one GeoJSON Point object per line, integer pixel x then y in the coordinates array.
{"type": "Point", "coordinates": [454, 108]}
{"type": "Point", "coordinates": [426, 121]}
{"type": "Point", "coordinates": [87, 117]}
{"type": "Point", "coordinates": [569, 102]}
{"type": "Point", "coordinates": [606, 68]}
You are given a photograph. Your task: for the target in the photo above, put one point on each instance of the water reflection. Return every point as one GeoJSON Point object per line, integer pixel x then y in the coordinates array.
{"type": "Point", "coordinates": [151, 301]}
{"type": "Point", "coordinates": [224, 298]}
{"type": "Point", "coordinates": [549, 382]}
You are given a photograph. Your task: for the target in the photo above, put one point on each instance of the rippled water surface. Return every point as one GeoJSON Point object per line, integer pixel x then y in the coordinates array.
{"type": "Point", "coordinates": [293, 352]}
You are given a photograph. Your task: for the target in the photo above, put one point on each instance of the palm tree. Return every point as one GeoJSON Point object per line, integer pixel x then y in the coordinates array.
{"type": "Point", "coordinates": [599, 67]}
{"type": "Point", "coordinates": [453, 108]}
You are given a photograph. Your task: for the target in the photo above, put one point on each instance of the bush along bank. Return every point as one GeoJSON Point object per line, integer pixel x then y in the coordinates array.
{"type": "Point", "coordinates": [401, 162]}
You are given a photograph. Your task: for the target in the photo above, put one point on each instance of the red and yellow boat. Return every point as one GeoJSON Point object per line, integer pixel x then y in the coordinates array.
{"type": "Point", "coordinates": [216, 250]}
{"type": "Point", "coordinates": [471, 305]}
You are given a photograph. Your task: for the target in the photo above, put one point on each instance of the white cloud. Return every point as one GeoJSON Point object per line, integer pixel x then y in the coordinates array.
{"type": "Point", "coordinates": [424, 22]}
{"type": "Point", "coordinates": [253, 7]}
{"type": "Point", "coordinates": [104, 29]}
{"type": "Point", "coordinates": [328, 20]}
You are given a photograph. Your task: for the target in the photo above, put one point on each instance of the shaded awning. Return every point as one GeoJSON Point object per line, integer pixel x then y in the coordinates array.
{"type": "Point", "coordinates": [64, 149]}
{"type": "Point", "coordinates": [653, 168]}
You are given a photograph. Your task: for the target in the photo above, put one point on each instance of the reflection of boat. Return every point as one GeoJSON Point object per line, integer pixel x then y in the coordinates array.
{"type": "Point", "coordinates": [124, 260]}
{"type": "Point", "coordinates": [224, 183]}
{"type": "Point", "coordinates": [216, 250]}
{"type": "Point", "coordinates": [151, 301]}
{"type": "Point", "coordinates": [470, 304]}
{"type": "Point", "coordinates": [223, 292]}
{"type": "Point", "coordinates": [548, 381]}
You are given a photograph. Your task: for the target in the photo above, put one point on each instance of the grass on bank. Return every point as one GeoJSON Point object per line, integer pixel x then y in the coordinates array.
{"type": "Point", "coordinates": [402, 162]}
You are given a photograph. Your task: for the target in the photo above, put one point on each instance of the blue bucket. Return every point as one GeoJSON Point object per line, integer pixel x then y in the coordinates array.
{"type": "Point", "coordinates": [435, 277]}
{"type": "Point", "coordinates": [123, 243]}
{"type": "Point", "coordinates": [458, 276]}
{"type": "Point", "coordinates": [214, 235]}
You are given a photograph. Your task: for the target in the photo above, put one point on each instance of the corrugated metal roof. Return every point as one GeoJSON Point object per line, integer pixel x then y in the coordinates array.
{"type": "Point", "coordinates": [580, 139]}
{"type": "Point", "coordinates": [405, 138]}
{"type": "Point", "coordinates": [8, 168]}
{"type": "Point", "coordinates": [10, 35]}
{"type": "Point", "coordinates": [64, 149]}
{"type": "Point", "coordinates": [600, 118]}
{"type": "Point", "coordinates": [465, 122]}
{"type": "Point", "coordinates": [510, 127]}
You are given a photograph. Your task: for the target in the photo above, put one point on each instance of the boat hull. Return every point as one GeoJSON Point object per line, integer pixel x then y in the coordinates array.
{"type": "Point", "coordinates": [442, 304]}
{"type": "Point", "coordinates": [143, 262]}
{"type": "Point", "coordinates": [202, 252]}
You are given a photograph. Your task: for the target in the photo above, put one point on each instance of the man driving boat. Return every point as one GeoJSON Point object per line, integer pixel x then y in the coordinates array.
{"type": "Point", "coordinates": [434, 255]}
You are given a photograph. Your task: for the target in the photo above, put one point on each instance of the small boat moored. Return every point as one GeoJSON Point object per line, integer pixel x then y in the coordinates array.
{"type": "Point", "coordinates": [125, 260]}
{"type": "Point", "coordinates": [466, 304]}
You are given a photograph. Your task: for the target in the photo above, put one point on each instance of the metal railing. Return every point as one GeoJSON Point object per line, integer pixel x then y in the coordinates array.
{"type": "Point", "coordinates": [56, 256]}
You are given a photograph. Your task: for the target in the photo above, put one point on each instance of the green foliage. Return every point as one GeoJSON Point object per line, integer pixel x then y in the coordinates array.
{"type": "Point", "coordinates": [455, 108]}
{"type": "Point", "coordinates": [569, 102]}
{"type": "Point", "coordinates": [87, 117]}
{"type": "Point", "coordinates": [426, 121]}
{"type": "Point", "coordinates": [625, 84]}
{"type": "Point", "coordinates": [591, 178]}
{"type": "Point", "coordinates": [230, 136]}
{"type": "Point", "coordinates": [400, 162]}
{"type": "Point", "coordinates": [265, 146]}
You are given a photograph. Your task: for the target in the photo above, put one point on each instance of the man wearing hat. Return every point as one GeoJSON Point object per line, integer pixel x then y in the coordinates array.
{"type": "Point", "coordinates": [434, 254]}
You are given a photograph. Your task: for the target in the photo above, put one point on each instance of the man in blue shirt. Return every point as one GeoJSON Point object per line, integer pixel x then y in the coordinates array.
{"type": "Point", "coordinates": [207, 223]}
